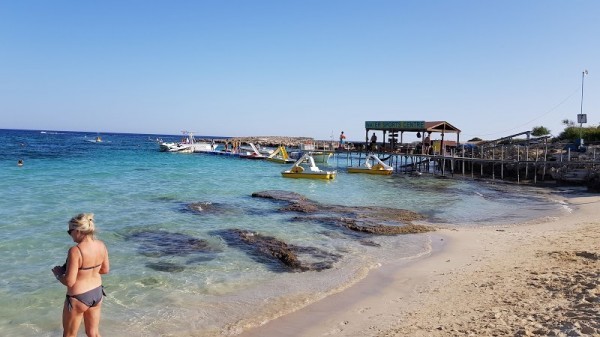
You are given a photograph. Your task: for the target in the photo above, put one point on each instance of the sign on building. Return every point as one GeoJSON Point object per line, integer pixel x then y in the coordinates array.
{"type": "Point", "coordinates": [397, 125]}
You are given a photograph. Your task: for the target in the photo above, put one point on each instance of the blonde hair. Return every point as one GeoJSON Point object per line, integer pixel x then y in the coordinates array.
{"type": "Point", "coordinates": [84, 223]}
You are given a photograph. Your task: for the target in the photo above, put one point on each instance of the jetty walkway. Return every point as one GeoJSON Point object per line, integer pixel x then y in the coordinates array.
{"type": "Point", "coordinates": [525, 161]}
{"type": "Point", "coordinates": [519, 163]}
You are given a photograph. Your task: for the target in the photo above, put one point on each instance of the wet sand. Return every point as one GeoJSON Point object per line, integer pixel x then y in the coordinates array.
{"type": "Point", "coordinates": [536, 279]}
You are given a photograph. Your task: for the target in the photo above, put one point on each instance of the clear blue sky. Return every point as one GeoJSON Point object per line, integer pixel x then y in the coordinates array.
{"type": "Point", "coordinates": [298, 68]}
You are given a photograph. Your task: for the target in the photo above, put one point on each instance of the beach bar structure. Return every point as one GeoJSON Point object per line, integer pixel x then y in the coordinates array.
{"type": "Point", "coordinates": [395, 131]}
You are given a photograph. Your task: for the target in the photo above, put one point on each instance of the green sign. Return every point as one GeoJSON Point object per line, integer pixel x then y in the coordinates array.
{"type": "Point", "coordinates": [399, 125]}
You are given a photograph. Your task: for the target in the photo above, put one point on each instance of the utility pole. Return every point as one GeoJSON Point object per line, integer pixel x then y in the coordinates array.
{"type": "Point", "coordinates": [581, 118]}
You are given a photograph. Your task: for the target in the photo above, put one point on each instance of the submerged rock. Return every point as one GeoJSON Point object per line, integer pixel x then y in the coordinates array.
{"type": "Point", "coordinates": [384, 229]}
{"type": "Point", "coordinates": [200, 206]}
{"type": "Point", "coordinates": [205, 207]}
{"type": "Point", "coordinates": [364, 219]}
{"type": "Point", "coordinates": [166, 267]}
{"type": "Point", "coordinates": [160, 244]}
{"type": "Point", "coordinates": [280, 195]}
{"type": "Point", "coordinates": [267, 249]}
{"type": "Point", "coordinates": [301, 207]}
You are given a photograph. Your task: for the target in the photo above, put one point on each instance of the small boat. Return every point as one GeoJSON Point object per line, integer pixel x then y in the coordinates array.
{"type": "Point", "coordinates": [280, 156]}
{"type": "Point", "coordinates": [379, 168]}
{"type": "Point", "coordinates": [98, 139]}
{"type": "Point", "coordinates": [187, 145]}
{"type": "Point", "coordinates": [322, 157]}
{"type": "Point", "coordinates": [310, 172]}
{"type": "Point", "coordinates": [175, 147]}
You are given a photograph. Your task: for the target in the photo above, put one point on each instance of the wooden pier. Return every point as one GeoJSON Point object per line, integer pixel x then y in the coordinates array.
{"type": "Point", "coordinates": [518, 163]}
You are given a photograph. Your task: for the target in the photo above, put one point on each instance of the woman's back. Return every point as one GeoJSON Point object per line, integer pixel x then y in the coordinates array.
{"type": "Point", "coordinates": [91, 263]}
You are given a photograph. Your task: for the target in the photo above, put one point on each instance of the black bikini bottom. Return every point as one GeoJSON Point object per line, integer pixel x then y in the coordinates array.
{"type": "Point", "coordinates": [90, 298]}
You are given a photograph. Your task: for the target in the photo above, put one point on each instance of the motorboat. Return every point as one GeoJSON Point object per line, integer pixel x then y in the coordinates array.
{"type": "Point", "coordinates": [176, 147]}
{"type": "Point", "coordinates": [372, 165]}
{"type": "Point", "coordinates": [187, 145]}
{"type": "Point", "coordinates": [97, 139]}
{"type": "Point", "coordinates": [311, 171]}
{"type": "Point", "coordinates": [319, 156]}
{"type": "Point", "coordinates": [322, 157]}
{"type": "Point", "coordinates": [280, 155]}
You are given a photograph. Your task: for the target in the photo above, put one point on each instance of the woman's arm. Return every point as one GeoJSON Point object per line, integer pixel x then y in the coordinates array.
{"type": "Point", "coordinates": [70, 276]}
{"type": "Point", "coordinates": [105, 268]}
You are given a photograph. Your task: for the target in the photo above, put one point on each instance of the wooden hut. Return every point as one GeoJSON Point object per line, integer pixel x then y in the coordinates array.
{"type": "Point", "coordinates": [395, 131]}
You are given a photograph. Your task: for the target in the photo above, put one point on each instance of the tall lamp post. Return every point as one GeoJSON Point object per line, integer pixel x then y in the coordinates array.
{"type": "Point", "coordinates": [581, 118]}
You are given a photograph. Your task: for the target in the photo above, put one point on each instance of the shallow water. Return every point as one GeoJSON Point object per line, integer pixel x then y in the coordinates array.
{"type": "Point", "coordinates": [141, 200]}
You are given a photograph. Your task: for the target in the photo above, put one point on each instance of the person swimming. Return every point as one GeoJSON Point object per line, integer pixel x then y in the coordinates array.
{"type": "Point", "coordinates": [20, 162]}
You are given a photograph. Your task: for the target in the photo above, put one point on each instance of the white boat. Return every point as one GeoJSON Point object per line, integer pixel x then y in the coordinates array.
{"type": "Point", "coordinates": [175, 147]}
{"type": "Point", "coordinates": [312, 171]}
{"type": "Point", "coordinates": [187, 145]}
{"type": "Point", "coordinates": [378, 167]}
{"type": "Point", "coordinates": [321, 157]}
{"type": "Point", "coordinates": [98, 139]}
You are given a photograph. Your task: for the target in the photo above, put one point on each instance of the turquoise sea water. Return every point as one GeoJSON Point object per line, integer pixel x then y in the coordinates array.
{"type": "Point", "coordinates": [141, 200]}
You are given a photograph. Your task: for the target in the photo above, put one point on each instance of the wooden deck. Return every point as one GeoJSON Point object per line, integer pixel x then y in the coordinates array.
{"type": "Point", "coordinates": [521, 164]}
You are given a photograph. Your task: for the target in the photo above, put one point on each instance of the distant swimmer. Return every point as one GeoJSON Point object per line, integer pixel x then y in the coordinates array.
{"type": "Point", "coordinates": [20, 162]}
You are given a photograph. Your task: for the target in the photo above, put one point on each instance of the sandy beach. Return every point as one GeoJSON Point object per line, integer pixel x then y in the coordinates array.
{"type": "Point", "coordinates": [536, 279]}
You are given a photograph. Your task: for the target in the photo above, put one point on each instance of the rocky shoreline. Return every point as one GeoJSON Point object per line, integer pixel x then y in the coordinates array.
{"type": "Point", "coordinates": [270, 141]}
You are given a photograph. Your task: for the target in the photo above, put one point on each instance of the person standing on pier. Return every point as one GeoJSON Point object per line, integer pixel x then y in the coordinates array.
{"type": "Point", "coordinates": [427, 144]}
{"type": "Point", "coordinates": [373, 142]}
{"type": "Point", "coordinates": [342, 140]}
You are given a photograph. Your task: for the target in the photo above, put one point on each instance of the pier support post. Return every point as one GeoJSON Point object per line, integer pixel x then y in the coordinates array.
{"type": "Point", "coordinates": [481, 164]}
{"type": "Point", "coordinates": [494, 163]}
{"type": "Point", "coordinates": [527, 161]}
{"type": "Point", "coordinates": [502, 163]}
{"type": "Point", "coordinates": [472, 163]}
{"type": "Point", "coordinates": [518, 159]}
{"type": "Point", "coordinates": [545, 159]}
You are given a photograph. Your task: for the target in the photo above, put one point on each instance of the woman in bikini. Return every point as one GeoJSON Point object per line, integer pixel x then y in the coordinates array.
{"type": "Point", "coordinates": [86, 261]}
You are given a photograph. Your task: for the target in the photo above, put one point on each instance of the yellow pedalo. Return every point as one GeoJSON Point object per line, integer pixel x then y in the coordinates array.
{"type": "Point", "coordinates": [312, 172]}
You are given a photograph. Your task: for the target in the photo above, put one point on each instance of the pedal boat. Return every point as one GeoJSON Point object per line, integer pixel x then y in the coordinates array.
{"type": "Point", "coordinates": [379, 167]}
{"type": "Point", "coordinates": [280, 156]}
{"type": "Point", "coordinates": [311, 172]}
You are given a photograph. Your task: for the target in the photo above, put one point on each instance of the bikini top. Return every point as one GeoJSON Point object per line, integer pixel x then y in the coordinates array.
{"type": "Point", "coordinates": [86, 268]}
